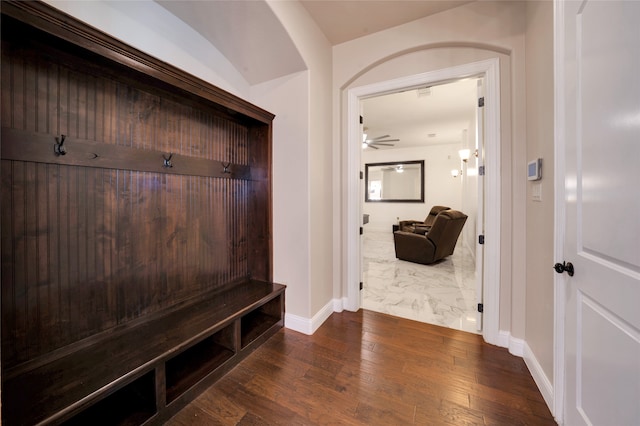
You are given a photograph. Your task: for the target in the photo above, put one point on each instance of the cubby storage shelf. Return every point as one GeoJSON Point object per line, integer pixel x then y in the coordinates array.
{"type": "Point", "coordinates": [185, 345]}
{"type": "Point", "coordinates": [258, 321]}
{"type": "Point", "coordinates": [197, 362]}
{"type": "Point", "coordinates": [132, 405]}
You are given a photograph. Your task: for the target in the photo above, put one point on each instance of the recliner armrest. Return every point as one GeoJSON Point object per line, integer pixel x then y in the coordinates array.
{"type": "Point", "coordinates": [413, 247]}
{"type": "Point", "coordinates": [408, 222]}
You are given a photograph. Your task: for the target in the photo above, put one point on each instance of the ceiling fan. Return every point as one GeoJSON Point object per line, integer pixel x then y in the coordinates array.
{"type": "Point", "coordinates": [380, 140]}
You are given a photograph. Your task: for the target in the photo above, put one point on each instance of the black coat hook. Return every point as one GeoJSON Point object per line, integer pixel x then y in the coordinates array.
{"type": "Point", "coordinates": [58, 148]}
{"type": "Point", "coordinates": [167, 161]}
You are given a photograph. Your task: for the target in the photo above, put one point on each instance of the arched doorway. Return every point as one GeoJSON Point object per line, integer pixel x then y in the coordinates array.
{"type": "Point", "coordinates": [352, 214]}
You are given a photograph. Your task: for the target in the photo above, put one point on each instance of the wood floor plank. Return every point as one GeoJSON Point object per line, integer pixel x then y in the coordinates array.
{"type": "Point", "coordinates": [366, 368]}
{"type": "Point", "coordinates": [369, 414]}
{"type": "Point", "coordinates": [193, 415]}
{"type": "Point", "coordinates": [216, 405]}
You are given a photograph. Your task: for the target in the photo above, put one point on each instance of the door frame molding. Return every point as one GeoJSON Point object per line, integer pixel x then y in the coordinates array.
{"type": "Point", "coordinates": [351, 215]}
{"type": "Point", "coordinates": [559, 211]}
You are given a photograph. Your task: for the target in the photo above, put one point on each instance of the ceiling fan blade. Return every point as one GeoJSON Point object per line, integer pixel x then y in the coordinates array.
{"type": "Point", "coordinates": [371, 146]}
{"type": "Point", "coordinates": [380, 141]}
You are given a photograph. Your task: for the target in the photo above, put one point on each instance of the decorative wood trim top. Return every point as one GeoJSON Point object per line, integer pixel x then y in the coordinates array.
{"type": "Point", "coordinates": [46, 18]}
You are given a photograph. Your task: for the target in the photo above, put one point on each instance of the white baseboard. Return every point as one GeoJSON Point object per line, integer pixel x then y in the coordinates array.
{"type": "Point", "coordinates": [339, 304]}
{"type": "Point", "coordinates": [515, 346]}
{"type": "Point", "coordinates": [519, 347]}
{"type": "Point", "coordinates": [296, 323]}
{"type": "Point", "coordinates": [544, 385]}
{"type": "Point", "coordinates": [306, 325]}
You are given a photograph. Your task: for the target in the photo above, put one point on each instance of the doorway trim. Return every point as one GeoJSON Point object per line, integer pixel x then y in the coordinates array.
{"type": "Point", "coordinates": [352, 216]}
{"type": "Point", "coordinates": [558, 388]}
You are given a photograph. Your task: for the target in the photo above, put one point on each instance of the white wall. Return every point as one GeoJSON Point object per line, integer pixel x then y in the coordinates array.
{"type": "Point", "coordinates": [314, 102]}
{"type": "Point", "coordinates": [439, 187]}
{"type": "Point", "coordinates": [291, 211]}
{"type": "Point", "coordinates": [540, 214]}
{"type": "Point", "coordinates": [469, 33]}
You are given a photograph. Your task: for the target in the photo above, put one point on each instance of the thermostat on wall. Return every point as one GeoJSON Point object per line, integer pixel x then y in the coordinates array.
{"type": "Point", "coordinates": [534, 169]}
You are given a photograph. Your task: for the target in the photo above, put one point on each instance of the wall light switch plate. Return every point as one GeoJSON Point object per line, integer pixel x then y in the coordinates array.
{"type": "Point", "coordinates": [536, 191]}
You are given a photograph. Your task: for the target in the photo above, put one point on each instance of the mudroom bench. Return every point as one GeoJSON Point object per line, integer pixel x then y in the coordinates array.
{"type": "Point", "coordinates": [147, 370]}
{"type": "Point", "coordinates": [136, 227]}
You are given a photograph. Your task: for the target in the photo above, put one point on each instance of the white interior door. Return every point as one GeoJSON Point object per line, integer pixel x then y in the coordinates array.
{"type": "Point", "coordinates": [601, 89]}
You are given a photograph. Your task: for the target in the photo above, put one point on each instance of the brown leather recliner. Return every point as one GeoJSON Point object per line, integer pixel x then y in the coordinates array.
{"type": "Point", "coordinates": [436, 244]}
{"type": "Point", "coordinates": [421, 227]}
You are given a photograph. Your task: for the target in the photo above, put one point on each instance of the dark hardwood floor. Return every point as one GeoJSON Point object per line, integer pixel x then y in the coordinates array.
{"type": "Point", "coordinates": [367, 368]}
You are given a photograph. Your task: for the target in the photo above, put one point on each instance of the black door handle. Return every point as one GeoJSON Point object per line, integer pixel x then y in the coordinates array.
{"type": "Point", "coordinates": [564, 266]}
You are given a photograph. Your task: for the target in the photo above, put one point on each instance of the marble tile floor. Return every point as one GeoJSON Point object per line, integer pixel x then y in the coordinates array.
{"type": "Point", "coordinates": [443, 293]}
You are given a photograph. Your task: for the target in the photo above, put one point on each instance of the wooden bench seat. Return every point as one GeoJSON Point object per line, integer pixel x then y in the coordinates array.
{"type": "Point", "coordinates": [221, 328]}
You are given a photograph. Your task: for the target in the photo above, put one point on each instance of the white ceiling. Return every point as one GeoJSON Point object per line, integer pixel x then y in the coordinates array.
{"type": "Point", "coordinates": [245, 31]}
{"type": "Point", "coordinates": [437, 118]}
{"type": "Point", "coordinates": [346, 20]}
{"type": "Point", "coordinates": [403, 116]}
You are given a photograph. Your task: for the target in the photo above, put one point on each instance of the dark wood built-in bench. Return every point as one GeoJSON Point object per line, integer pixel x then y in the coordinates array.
{"type": "Point", "coordinates": [136, 371]}
{"type": "Point", "coordinates": [136, 229]}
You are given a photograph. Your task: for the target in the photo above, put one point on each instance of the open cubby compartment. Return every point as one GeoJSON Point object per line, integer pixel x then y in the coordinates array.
{"type": "Point", "coordinates": [132, 404]}
{"type": "Point", "coordinates": [259, 320]}
{"type": "Point", "coordinates": [198, 361]}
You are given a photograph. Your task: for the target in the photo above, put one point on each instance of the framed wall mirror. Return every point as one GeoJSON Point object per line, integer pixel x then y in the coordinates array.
{"type": "Point", "coordinates": [395, 182]}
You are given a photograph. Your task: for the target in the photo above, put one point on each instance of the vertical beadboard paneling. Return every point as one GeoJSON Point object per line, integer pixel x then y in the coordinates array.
{"type": "Point", "coordinates": [30, 93]}
{"type": "Point", "coordinates": [89, 275]}
{"type": "Point", "coordinates": [50, 100]}
{"type": "Point", "coordinates": [6, 237]}
{"type": "Point", "coordinates": [42, 258]}
{"type": "Point", "coordinates": [19, 257]}
{"type": "Point", "coordinates": [6, 94]}
{"type": "Point", "coordinates": [41, 98]}
{"type": "Point", "coordinates": [18, 107]}
{"type": "Point", "coordinates": [85, 249]}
